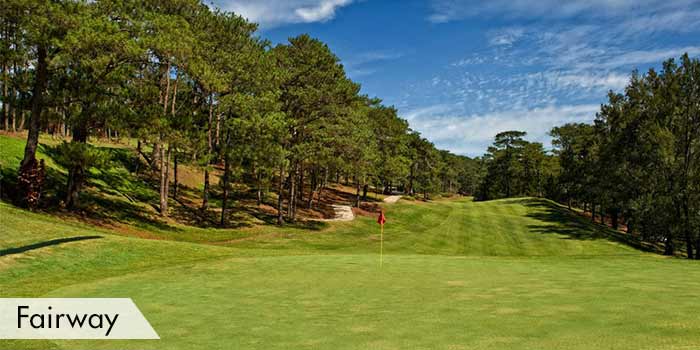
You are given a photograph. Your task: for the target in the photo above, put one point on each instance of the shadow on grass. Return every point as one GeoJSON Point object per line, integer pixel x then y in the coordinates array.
{"type": "Point", "coordinates": [126, 191]}
{"type": "Point", "coordinates": [52, 190]}
{"type": "Point", "coordinates": [110, 211]}
{"type": "Point", "coordinates": [560, 220]}
{"type": "Point", "coordinates": [18, 250]}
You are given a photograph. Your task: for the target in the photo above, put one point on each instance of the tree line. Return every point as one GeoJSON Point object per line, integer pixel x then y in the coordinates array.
{"type": "Point", "coordinates": [193, 84]}
{"type": "Point", "coordinates": [637, 164]}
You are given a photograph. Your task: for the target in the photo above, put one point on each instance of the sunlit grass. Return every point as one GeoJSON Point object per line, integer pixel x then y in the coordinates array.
{"type": "Point", "coordinates": [518, 274]}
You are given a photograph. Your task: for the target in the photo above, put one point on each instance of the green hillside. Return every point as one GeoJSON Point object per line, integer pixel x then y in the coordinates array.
{"type": "Point", "coordinates": [521, 273]}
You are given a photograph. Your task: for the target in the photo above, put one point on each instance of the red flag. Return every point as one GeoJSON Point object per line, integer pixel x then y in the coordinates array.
{"type": "Point", "coordinates": [381, 219]}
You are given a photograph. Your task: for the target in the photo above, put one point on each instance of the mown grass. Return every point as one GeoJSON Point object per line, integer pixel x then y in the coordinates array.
{"type": "Point", "coordinates": [517, 274]}
{"type": "Point", "coordinates": [457, 274]}
{"type": "Point", "coordinates": [427, 302]}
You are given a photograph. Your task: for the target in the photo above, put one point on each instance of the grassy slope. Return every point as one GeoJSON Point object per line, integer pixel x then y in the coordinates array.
{"type": "Point", "coordinates": [520, 227]}
{"type": "Point", "coordinates": [563, 284]}
{"type": "Point", "coordinates": [504, 274]}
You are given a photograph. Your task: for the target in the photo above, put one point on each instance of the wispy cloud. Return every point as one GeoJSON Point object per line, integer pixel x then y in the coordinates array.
{"type": "Point", "coordinates": [551, 63]}
{"type": "Point", "coordinates": [572, 65]}
{"type": "Point", "coordinates": [365, 63]}
{"type": "Point", "coordinates": [372, 56]}
{"type": "Point", "coordinates": [272, 13]}
{"type": "Point", "coordinates": [448, 10]}
{"type": "Point", "coordinates": [471, 134]}
{"type": "Point", "coordinates": [681, 20]}
{"type": "Point", "coordinates": [583, 81]}
{"type": "Point", "coordinates": [649, 56]}
{"type": "Point", "coordinates": [506, 37]}
{"type": "Point", "coordinates": [355, 73]}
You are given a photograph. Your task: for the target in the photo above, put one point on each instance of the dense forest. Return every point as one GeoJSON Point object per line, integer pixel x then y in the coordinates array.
{"type": "Point", "coordinates": [195, 85]}
{"type": "Point", "coordinates": [191, 85]}
{"type": "Point", "coordinates": [637, 165]}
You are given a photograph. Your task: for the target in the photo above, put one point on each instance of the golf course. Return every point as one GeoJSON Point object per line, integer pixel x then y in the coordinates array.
{"type": "Point", "coordinates": [517, 273]}
{"type": "Point", "coordinates": [349, 174]}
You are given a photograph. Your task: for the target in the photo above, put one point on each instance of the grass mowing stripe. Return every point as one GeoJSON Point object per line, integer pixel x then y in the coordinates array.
{"type": "Point", "coordinates": [458, 274]}
{"type": "Point", "coordinates": [346, 302]}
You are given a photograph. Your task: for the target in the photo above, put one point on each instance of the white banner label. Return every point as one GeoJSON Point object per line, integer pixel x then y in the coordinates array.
{"type": "Point", "coordinates": [73, 318]}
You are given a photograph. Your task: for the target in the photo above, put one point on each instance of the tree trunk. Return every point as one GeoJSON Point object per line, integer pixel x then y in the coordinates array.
{"type": "Point", "coordinates": [630, 225]}
{"type": "Point", "coordinates": [13, 117]}
{"type": "Point", "coordinates": [21, 118]}
{"type": "Point", "coordinates": [669, 246]}
{"type": "Point", "coordinates": [156, 158]}
{"type": "Point", "coordinates": [40, 82]}
{"type": "Point", "coordinates": [31, 173]}
{"type": "Point", "coordinates": [164, 181]}
{"type": "Point", "coordinates": [172, 109]}
{"type": "Point", "coordinates": [5, 115]}
{"type": "Point", "coordinates": [166, 94]}
{"type": "Point", "coordinates": [686, 230]}
{"type": "Point", "coordinates": [615, 216]}
{"type": "Point", "coordinates": [15, 94]}
{"type": "Point", "coordinates": [357, 194]}
{"type": "Point", "coordinates": [280, 189]}
{"type": "Point", "coordinates": [76, 174]}
{"type": "Point", "coordinates": [205, 194]}
{"type": "Point", "coordinates": [166, 165]}
{"type": "Point", "coordinates": [210, 151]}
{"type": "Point", "coordinates": [218, 130]}
{"type": "Point", "coordinates": [301, 184]}
{"type": "Point", "coordinates": [176, 183]}
{"type": "Point", "coordinates": [259, 186]}
{"type": "Point", "coordinates": [292, 194]}
{"type": "Point", "coordinates": [365, 188]}
{"type": "Point", "coordinates": [324, 183]}
{"type": "Point", "coordinates": [7, 121]}
{"type": "Point", "coordinates": [313, 187]}
{"type": "Point", "coordinates": [210, 122]}
{"type": "Point", "coordinates": [224, 201]}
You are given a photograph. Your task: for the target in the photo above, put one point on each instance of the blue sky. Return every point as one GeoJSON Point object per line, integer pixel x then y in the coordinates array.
{"type": "Point", "coordinates": [461, 71]}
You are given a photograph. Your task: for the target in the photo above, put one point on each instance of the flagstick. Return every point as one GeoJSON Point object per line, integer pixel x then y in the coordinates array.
{"type": "Point", "coordinates": [381, 247]}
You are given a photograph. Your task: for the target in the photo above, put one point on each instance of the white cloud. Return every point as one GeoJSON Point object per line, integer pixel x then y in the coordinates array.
{"type": "Point", "coordinates": [271, 13]}
{"type": "Point", "coordinates": [355, 73]}
{"type": "Point", "coordinates": [363, 64]}
{"type": "Point", "coordinates": [429, 111]}
{"type": "Point", "coordinates": [447, 10]}
{"type": "Point", "coordinates": [320, 12]}
{"type": "Point", "coordinates": [586, 81]}
{"type": "Point", "coordinates": [475, 59]}
{"type": "Point", "coordinates": [649, 56]}
{"type": "Point", "coordinates": [506, 37]}
{"type": "Point", "coordinates": [686, 20]}
{"type": "Point", "coordinates": [372, 56]}
{"type": "Point", "coordinates": [553, 68]}
{"type": "Point", "coordinates": [472, 134]}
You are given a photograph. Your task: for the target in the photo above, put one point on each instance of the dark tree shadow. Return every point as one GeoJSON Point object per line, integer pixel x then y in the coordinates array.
{"type": "Point", "coordinates": [52, 190]}
{"type": "Point", "coordinates": [560, 220]}
{"type": "Point", "coordinates": [22, 249]}
{"type": "Point", "coordinates": [125, 191]}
